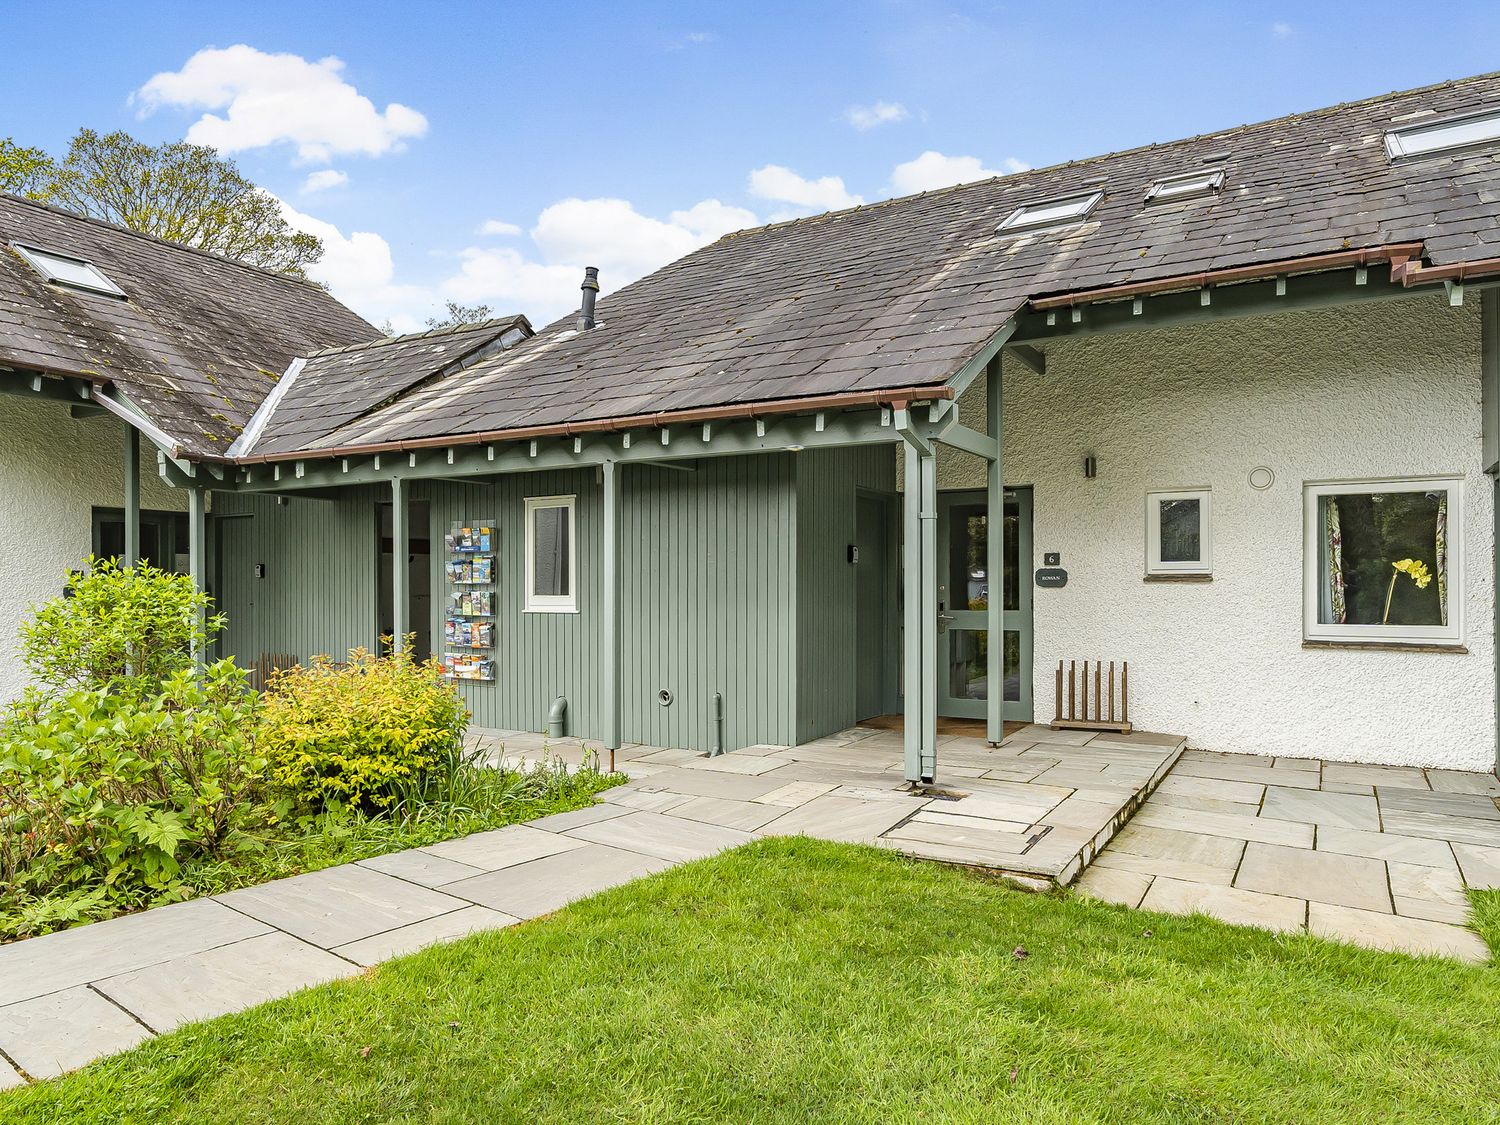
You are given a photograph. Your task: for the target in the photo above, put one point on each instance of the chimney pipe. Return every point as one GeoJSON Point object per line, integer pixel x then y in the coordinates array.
{"type": "Point", "coordinates": [590, 289]}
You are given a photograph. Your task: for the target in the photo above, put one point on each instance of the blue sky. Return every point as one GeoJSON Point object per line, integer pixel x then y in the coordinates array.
{"type": "Point", "coordinates": [623, 135]}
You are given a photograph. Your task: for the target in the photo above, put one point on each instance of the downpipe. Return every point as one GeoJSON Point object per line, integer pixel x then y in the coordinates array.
{"type": "Point", "coordinates": [716, 746]}
{"type": "Point", "coordinates": [557, 718]}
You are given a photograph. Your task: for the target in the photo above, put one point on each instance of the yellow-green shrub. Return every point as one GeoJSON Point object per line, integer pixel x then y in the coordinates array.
{"type": "Point", "coordinates": [355, 733]}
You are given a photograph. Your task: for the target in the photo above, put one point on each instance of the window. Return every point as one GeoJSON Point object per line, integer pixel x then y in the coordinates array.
{"type": "Point", "coordinates": [1382, 561]}
{"type": "Point", "coordinates": [63, 269]}
{"type": "Point", "coordinates": [1187, 184]}
{"type": "Point", "coordinates": [551, 571]}
{"type": "Point", "coordinates": [1178, 533]}
{"type": "Point", "coordinates": [1443, 135]}
{"type": "Point", "coordinates": [164, 537]}
{"type": "Point", "coordinates": [1051, 212]}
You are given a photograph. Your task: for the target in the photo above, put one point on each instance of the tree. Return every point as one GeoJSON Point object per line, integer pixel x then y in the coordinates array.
{"type": "Point", "coordinates": [461, 314]}
{"type": "Point", "coordinates": [24, 171]}
{"type": "Point", "coordinates": [180, 192]}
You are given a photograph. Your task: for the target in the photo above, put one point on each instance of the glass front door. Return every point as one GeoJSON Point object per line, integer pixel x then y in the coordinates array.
{"type": "Point", "coordinates": [964, 590]}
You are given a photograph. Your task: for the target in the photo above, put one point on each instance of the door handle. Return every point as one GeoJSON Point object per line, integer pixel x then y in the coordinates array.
{"type": "Point", "coordinates": [943, 621]}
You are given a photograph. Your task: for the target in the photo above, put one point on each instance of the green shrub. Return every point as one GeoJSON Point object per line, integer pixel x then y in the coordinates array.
{"type": "Point", "coordinates": [362, 732]}
{"type": "Point", "coordinates": [105, 796]}
{"type": "Point", "coordinates": [129, 628]}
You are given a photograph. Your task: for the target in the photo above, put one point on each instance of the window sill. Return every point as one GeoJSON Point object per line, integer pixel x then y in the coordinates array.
{"type": "Point", "coordinates": [1389, 646]}
{"type": "Point", "coordinates": [1178, 578]}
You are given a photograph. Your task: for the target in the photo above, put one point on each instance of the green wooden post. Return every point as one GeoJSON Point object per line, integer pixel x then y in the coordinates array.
{"type": "Point", "coordinates": [1489, 353]}
{"type": "Point", "coordinates": [929, 618]}
{"type": "Point", "coordinates": [198, 548]}
{"type": "Point", "coordinates": [995, 559]}
{"type": "Point", "coordinates": [920, 642]}
{"type": "Point", "coordinates": [400, 575]}
{"type": "Point", "coordinates": [132, 495]}
{"type": "Point", "coordinates": [610, 674]}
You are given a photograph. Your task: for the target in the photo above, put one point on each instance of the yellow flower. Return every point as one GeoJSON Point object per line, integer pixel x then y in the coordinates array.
{"type": "Point", "coordinates": [1416, 569]}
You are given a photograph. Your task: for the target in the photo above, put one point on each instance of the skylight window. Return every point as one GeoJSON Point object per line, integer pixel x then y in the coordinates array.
{"type": "Point", "coordinates": [64, 269]}
{"type": "Point", "coordinates": [1051, 212]}
{"type": "Point", "coordinates": [1444, 135]}
{"type": "Point", "coordinates": [1186, 184]}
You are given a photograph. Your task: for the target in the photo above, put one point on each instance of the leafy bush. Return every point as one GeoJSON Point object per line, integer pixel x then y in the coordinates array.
{"type": "Point", "coordinates": [129, 628]}
{"type": "Point", "coordinates": [357, 733]}
{"type": "Point", "coordinates": [105, 796]}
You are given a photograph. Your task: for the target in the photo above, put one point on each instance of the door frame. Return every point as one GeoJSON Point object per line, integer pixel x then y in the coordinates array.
{"type": "Point", "coordinates": [1018, 620]}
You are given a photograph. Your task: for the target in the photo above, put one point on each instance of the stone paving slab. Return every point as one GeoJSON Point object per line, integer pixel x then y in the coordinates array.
{"type": "Point", "coordinates": [339, 904]}
{"type": "Point", "coordinates": [10, 1078]}
{"type": "Point", "coordinates": [408, 939]}
{"type": "Point", "coordinates": [1480, 866]}
{"type": "Point", "coordinates": [50, 1035]}
{"type": "Point", "coordinates": [1387, 845]}
{"type": "Point", "coordinates": [841, 818]}
{"type": "Point", "coordinates": [1228, 904]}
{"type": "Point", "coordinates": [1394, 933]}
{"type": "Point", "coordinates": [501, 847]}
{"type": "Point", "coordinates": [665, 837]}
{"type": "Point", "coordinates": [1343, 880]}
{"type": "Point", "coordinates": [214, 983]}
{"type": "Point", "coordinates": [57, 961]}
{"type": "Point", "coordinates": [1341, 810]}
{"type": "Point", "coordinates": [421, 867]}
{"type": "Point", "coordinates": [541, 886]}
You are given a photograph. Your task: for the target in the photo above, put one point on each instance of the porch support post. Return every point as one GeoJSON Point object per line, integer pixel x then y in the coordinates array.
{"type": "Point", "coordinates": [198, 550]}
{"type": "Point", "coordinates": [919, 524]}
{"type": "Point", "coordinates": [610, 641]}
{"type": "Point", "coordinates": [132, 469]}
{"type": "Point", "coordinates": [400, 552]}
{"type": "Point", "coordinates": [1489, 362]}
{"type": "Point", "coordinates": [995, 558]}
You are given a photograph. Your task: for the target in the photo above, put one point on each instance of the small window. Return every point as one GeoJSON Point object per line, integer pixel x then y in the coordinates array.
{"type": "Point", "coordinates": [1382, 561]}
{"type": "Point", "coordinates": [1178, 533]}
{"type": "Point", "coordinates": [551, 557]}
{"type": "Point", "coordinates": [1443, 135]}
{"type": "Point", "coordinates": [63, 269]}
{"type": "Point", "coordinates": [1206, 182]}
{"type": "Point", "coordinates": [1051, 212]}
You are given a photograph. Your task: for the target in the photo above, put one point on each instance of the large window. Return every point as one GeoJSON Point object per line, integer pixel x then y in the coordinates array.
{"type": "Point", "coordinates": [551, 572]}
{"type": "Point", "coordinates": [1179, 535]}
{"type": "Point", "coordinates": [1383, 561]}
{"type": "Point", "coordinates": [164, 537]}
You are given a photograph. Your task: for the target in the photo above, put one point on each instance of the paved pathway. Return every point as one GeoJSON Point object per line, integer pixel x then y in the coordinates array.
{"type": "Point", "coordinates": [1233, 836]}
{"type": "Point", "coordinates": [1375, 855]}
{"type": "Point", "coordinates": [1041, 807]}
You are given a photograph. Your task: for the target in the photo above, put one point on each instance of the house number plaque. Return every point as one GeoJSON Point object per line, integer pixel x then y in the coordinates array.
{"type": "Point", "coordinates": [1052, 577]}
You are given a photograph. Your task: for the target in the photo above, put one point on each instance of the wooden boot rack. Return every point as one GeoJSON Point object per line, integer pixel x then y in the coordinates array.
{"type": "Point", "coordinates": [1077, 715]}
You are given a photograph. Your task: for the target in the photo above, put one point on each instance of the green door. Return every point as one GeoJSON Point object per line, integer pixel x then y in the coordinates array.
{"type": "Point", "coordinates": [963, 596]}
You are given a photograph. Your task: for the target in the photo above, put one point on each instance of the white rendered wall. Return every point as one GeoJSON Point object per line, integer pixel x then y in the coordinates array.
{"type": "Point", "coordinates": [53, 470]}
{"type": "Point", "coordinates": [1373, 391]}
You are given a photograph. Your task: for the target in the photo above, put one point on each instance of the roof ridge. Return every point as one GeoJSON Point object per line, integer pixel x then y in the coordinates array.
{"type": "Point", "coordinates": [215, 256]}
{"type": "Point", "coordinates": [497, 322]}
{"type": "Point", "coordinates": [1087, 160]}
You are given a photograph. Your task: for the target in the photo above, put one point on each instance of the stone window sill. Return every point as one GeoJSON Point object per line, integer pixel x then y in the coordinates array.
{"type": "Point", "coordinates": [1386, 646]}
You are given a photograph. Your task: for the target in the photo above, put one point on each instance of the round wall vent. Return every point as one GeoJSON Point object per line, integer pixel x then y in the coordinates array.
{"type": "Point", "coordinates": [664, 697]}
{"type": "Point", "coordinates": [1261, 478]}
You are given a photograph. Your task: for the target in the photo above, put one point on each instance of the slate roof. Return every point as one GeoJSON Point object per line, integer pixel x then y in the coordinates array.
{"type": "Point", "coordinates": [197, 343]}
{"type": "Point", "coordinates": [902, 293]}
{"type": "Point", "coordinates": [333, 387]}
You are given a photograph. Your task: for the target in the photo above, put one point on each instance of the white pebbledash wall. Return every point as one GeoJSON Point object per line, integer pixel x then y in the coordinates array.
{"type": "Point", "coordinates": [53, 470]}
{"type": "Point", "coordinates": [1382, 390]}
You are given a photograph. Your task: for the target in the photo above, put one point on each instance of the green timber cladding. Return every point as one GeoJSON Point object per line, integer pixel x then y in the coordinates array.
{"type": "Point", "coordinates": [735, 579]}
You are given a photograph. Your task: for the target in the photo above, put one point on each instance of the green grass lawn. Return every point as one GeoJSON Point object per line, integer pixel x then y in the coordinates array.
{"type": "Point", "coordinates": [797, 980]}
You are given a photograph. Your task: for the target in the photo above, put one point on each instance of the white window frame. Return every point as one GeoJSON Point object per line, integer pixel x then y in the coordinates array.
{"type": "Point", "coordinates": [1185, 185]}
{"type": "Point", "coordinates": [40, 259]}
{"type": "Point", "coordinates": [1204, 564]}
{"type": "Point", "coordinates": [1034, 216]}
{"type": "Point", "coordinates": [551, 603]}
{"type": "Point", "coordinates": [1312, 564]}
{"type": "Point", "coordinates": [1435, 136]}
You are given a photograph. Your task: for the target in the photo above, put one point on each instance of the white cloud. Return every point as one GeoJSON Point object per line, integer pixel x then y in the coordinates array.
{"type": "Point", "coordinates": [864, 117]}
{"type": "Point", "coordinates": [495, 226]}
{"type": "Point", "coordinates": [574, 233]}
{"type": "Point", "coordinates": [323, 180]}
{"type": "Point", "coordinates": [1281, 30]}
{"type": "Point", "coordinates": [934, 170]}
{"type": "Point", "coordinates": [358, 270]}
{"type": "Point", "coordinates": [269, 99]}
{"type": "Point", "coordinates": [691, 39]}
{"type": "Point", "coordinates": [782, 185]}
